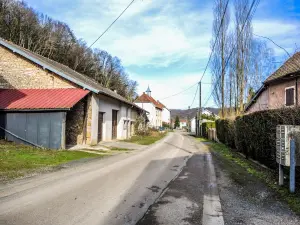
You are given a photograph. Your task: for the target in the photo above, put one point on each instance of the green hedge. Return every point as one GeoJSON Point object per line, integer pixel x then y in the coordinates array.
{"type": "Point", "coordinates": [226, 132]}
{"type": "Point", "coordinates": [205, 126]}
{"type": "Point", "coordinates": [255, 134]}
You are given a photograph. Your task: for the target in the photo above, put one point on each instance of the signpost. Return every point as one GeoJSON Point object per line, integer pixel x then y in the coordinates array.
{"type": "Point", "coordinates": [287, 140]}
{"type": "Point", "coordinates": [292, 164]}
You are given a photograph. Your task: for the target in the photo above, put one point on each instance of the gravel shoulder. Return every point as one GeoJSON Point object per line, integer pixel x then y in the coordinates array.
{"type": "Point", "coordinates": [247, 200]}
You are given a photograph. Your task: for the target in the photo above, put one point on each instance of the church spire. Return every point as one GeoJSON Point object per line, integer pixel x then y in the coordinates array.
{"type": "Point", "coordinates": [148, 91]}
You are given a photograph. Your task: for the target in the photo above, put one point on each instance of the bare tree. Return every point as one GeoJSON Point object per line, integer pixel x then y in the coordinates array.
{"type": "Point", "coordinates": [220, 35]}
{"type": "Point", "coordinates": [53, 39]}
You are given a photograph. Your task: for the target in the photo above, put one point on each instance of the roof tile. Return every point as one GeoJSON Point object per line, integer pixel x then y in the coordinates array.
{"type": "Point", "coordinates": [292, 65]}
{"type": "Point", "coordinates": [144, 98]}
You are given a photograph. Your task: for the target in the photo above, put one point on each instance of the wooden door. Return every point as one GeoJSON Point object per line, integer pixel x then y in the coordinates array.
{"type": "Point", "coordinates": [114, 123]}
{"type": "Point", "coordinates": [100, 126]}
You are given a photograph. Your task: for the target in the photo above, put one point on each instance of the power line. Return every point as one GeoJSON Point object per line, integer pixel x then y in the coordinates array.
{"type": "Point", "coordinates": [195, 96]}
{"type": "Point", "coordinates": [213, 48]}
{"type": "Point", "coordinates": [107, 29]}
{"type": "Point", "coordinates": [247, 17]}
{"type": "Point", "coordinates": [278, 47]}
{"type": "Point", "coordinates": [112, 23]}
{"type": "Point", "coordinates": [274, 43]}
{"type": "Point", "coordinates": [180, 92]}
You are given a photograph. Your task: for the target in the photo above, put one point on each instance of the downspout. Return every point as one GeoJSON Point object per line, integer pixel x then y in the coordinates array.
{"type": "Point", "coordinates": [296, 87]}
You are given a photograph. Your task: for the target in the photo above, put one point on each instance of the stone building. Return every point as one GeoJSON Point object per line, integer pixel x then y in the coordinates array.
{"type": "Point", "coordinates": [46, 103]}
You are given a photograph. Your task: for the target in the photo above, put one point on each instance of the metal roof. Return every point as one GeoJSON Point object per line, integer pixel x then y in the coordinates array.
{"type": "Point", "coordinates": [65, 72]}
{"type": "Point", "coordinates": [40, 99]}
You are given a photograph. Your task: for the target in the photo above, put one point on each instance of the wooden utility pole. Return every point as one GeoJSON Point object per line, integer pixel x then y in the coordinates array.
{"type": "Point", "coordinates": [199, 112]}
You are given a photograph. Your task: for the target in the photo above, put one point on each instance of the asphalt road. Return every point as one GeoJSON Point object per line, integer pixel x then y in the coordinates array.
{"type": "Point", "coordinates": [116, 190]}
{"type": "Point", "coordinates": [213, 190]}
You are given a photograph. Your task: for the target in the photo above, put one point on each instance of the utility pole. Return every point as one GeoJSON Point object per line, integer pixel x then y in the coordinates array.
{"type": "Point", "coordinates": [188, 120]}
{"type": "Point", "coordinates": [200, 110]}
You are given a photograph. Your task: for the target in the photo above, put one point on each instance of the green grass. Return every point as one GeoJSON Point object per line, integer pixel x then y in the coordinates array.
{"type": "Point", "coordinates": [202, 139]}
{"type": "Point", "coordinates": [19, 160]}
{"type": "Point", "coordinates": [146, 140]}
{"type": "Point", "coordinates": [268, 177]}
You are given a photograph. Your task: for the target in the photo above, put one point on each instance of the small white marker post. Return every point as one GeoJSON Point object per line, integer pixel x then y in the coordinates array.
{"type": "Point", "coordinates": [292, 164]}
{"type": "Point", "coordinates": [280, 175]}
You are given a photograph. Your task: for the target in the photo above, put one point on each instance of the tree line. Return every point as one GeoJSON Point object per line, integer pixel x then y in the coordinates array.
{"type": "Point", "coordinates": [55, 40]}
{"type": "Point", "coordinates": [236, 80]}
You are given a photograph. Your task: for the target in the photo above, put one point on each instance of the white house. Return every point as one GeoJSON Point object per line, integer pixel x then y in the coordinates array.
{"type": "Point", "coordinates": [207, 112]}
{"type": "Point", "coordinates": [166, 114]}
{"type": "Point", "coordinates": [182, 123]}
{"type": "Point", "coordinates": [153, 107]}
{"type": "Point", "coordinates": [193, 125]}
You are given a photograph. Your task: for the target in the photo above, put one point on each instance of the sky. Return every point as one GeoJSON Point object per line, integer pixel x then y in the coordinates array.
{"type": "Point", "coordinates": [166, 43]}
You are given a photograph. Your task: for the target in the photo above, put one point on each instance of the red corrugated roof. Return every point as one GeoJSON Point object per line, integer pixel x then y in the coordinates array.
{"type": "Point", "coordinates": [40, 98]}
{"type": "Point", "coordinates": [144, 98]}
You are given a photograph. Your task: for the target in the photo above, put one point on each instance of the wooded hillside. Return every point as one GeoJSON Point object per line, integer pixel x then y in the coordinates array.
{"type": "Point", "coordinates": [54, 39]}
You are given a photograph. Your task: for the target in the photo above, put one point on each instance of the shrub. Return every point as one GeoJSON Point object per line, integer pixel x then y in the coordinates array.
{"type": "Point", "coordinates": [226, 132]}
{"type": "Point", "coordinates": [206, 126]}
{"type": "Point", "coordinates": [255, 134]}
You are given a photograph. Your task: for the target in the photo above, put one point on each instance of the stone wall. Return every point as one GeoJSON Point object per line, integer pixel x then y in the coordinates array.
{"type": "Point", "coordinates": [78, 123]}
{"type": "Point", "coordinates": [75, 124]}
{"type": "Point", "coordinates": [89, 120]}
{"type": "Point", "coordinates": [18, 72]}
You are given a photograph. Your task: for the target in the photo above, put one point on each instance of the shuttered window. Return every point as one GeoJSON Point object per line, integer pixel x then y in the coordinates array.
{"type": "Point", "coordinates": [289, 96]}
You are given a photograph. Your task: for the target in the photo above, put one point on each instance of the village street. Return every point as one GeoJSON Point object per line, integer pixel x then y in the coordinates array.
{"type": "Point", "coordinates": [116, 190]}
{"type": "Point", "coordinates": [175, 181]}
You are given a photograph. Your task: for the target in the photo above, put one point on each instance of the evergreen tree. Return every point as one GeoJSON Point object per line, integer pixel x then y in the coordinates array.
{"type": "Point", "coordinates": [177, 122]}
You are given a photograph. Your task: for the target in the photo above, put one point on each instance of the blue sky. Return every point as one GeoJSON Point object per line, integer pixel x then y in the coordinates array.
{"type": "Point", "coordinates": [166, 43]}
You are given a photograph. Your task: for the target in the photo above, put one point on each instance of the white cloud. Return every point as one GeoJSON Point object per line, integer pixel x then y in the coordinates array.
{"type": "Point", "coordinates": [163, 87]}
{"type": "Point", "coordinates": [155, 33]}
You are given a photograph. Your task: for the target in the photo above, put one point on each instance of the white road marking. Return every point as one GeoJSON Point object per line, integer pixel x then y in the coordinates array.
{"type": "Point", "coordinates": [212, 210]}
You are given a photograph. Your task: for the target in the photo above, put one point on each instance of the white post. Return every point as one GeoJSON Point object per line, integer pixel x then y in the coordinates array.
{"type": "Point", "coordinates": [280, 181]}
{"type": "Point", "coordinates": [95, 115]}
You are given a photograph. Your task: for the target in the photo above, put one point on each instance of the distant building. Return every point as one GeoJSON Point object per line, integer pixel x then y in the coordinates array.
{"type": "Point", "coordinates": [158, 113]}
{"type": "Point", "coordinates": [182, 123]}
{"type": "Point", "coordinates": [166, 115]}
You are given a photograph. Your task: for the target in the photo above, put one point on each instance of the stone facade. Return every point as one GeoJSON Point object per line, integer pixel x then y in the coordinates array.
{"type": "Point", "coordinates": [89, 120]}
{"type": "Point", "coordinates": [82, 120]}
{"type": "Point", "coordinates": [18, 72]}
{"type": "Point", "coordinates": [76, 123]}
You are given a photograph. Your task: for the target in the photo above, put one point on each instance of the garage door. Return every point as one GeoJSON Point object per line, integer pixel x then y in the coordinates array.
{"type": "Point", "coordinates": [44, 129]}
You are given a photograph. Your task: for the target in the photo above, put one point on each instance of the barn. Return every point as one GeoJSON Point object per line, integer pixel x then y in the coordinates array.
{"type": "Point", "coordinates": [47, 104]}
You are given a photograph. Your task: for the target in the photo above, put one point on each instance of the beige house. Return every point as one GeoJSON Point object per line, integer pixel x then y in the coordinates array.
{"type": "Point", "coordinates": [48, 104]}
{"type": "Point", "coordinates": [279, 90]}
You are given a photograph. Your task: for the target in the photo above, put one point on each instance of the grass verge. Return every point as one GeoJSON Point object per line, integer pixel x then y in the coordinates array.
{"type": "Point", "coordinates": [19, 160]}
{"type": "Point", "coordinates": [268, 177]}
{"type": "Point", "coordinates": [146, 139]}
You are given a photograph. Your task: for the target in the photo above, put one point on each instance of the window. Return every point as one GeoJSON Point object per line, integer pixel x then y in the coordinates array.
{"type": "Point", "coordinates": [290, 96]}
